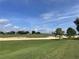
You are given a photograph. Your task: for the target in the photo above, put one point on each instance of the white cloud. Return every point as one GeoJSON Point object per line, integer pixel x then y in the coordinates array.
{"type": "Point", "coordinates": [8, 25]}
{"type": "Point", "coordinates": [4, 21]}
{"type": "Point", "coordinates": [16, 27]}
{"type": "Point", "coordinates": [11, 27]}
{"type": "Point", "coordinates": [51, 16]}
{"type": "Point", "coordinates": [47, 16]}
{"type": "Point", "coordinates": [58, 18]}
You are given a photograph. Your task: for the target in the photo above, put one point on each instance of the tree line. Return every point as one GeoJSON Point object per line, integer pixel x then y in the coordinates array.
{"type": "Point", "coordinates": [19, 32]}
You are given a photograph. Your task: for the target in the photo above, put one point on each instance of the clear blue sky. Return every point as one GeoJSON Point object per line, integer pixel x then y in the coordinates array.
{"type": "Point", "coordinates": [39, 15]}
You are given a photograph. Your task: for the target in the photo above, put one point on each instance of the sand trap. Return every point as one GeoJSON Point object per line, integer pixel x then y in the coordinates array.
{"type": "Point", "coordinates": [24, 38]}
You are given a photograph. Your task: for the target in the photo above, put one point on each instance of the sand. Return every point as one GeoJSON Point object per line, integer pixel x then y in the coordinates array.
{"type": "Point", "coordinates": [24, 38]}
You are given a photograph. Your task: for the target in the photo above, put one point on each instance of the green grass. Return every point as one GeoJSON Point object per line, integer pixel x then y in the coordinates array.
{"type": "Point", "coordinates": [40, 49]}
{"type": "Point", "coordinates": [25, 35]}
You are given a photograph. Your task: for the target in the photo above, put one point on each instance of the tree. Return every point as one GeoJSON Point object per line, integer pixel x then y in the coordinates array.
{"type": "Point", "coordinates": [26, 32]}
{"type": "Point", "coordinates": [71, 32]}
{"type": "Point", "coordinates": [38, 33]}
{"type": "Point", "coordinates": [77, 24]}
{"type": "Point", "coordinates": [1, 32]}
{"type": "Point", "coordinates": [59, 32]}
{"type": "Point", "coordinates": [23, 32]}
{"type": "Point", "coordinates": [11, 32]}
{"type": "Point", "coordinates": [33, 32]}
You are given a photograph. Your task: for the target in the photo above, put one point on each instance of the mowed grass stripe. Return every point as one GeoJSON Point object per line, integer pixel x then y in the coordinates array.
{"type": "Point", "coordinates": [58, 52]}
{"type": "Point", "coordinates": [72, 51]}
{"type": "Point", "coordinates": [12, 46]}
{"type": "Point", "coordinates": [44, 51]}
{"type": "Point", "coordinates": [61, 49]}
{"type": "Point", "coordinates": [27, 50]}
{"type": "Point", "coordinates": [30, 50]}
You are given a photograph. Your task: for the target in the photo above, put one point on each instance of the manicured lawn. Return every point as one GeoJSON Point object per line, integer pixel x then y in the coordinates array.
{"type": "Point", "coordinates": [40, 49]}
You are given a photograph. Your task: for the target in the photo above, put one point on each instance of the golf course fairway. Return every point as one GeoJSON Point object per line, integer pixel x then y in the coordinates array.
{"type": "Point", "coordinates": [39, 49]}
